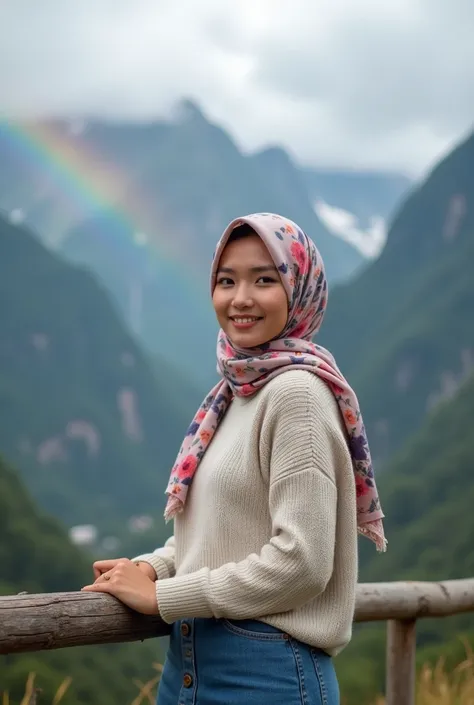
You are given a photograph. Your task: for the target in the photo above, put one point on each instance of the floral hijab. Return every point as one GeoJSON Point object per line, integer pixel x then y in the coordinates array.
{"type": "Point", "coordinates": [244, 372]}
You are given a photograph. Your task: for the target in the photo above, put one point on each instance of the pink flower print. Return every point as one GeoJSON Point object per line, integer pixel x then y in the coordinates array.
{"type": "Point", "coordinates": [187, 467]}
{"type": "Point", "coordinates": [335, 388]}
{"type": "Point", "coordinates": [299, 330]}
{"type": "Point", "coordinates": [228, 350]}
{"type": "Point", "coordinates": [299, 254]}
{"type": "Point", "coordinates": [361, 486]}
{"type": "Point", "coordinates": [247, 389]}
{"type": "Point", "coordinates": [350, 417]}
{"type": "Point", "coordinates": [205, 436]}
{"type": "Point", "coordinates": [200, 415]}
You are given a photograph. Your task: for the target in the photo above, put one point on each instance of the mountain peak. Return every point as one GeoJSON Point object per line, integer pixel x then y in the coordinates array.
{"type": "Point", "coordinates": [187, 110]}
{"type": "Point", "coordinates": [274, 156]}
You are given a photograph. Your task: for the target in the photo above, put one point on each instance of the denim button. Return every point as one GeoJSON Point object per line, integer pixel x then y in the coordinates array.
{"type": "Point", "coordinates": [185, 629]}
{"type": "Point", "coordinates": [187, 680]}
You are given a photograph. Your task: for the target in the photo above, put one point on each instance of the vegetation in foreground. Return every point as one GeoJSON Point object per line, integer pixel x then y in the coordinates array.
{"type": "Point", "coordinates": [436, 685]}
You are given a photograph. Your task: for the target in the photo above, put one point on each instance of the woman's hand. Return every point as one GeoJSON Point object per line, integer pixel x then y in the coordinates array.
{"type": "Point", "coordinates": [129, 584]}
{"type": "Point", "coordinates": [101, 567]}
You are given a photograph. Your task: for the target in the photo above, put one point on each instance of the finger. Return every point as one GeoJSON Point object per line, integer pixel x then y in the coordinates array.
{"type": "Point", "coordinates": [104, 577]}
{"type": "Point", "coordinates": [103, 566]}
{"type": "Point", "coordinates": [106, 588]}
{"type": "Point", "coordinates": [97, 587]}
{"type": "Point", "coordinates": [100, 567]}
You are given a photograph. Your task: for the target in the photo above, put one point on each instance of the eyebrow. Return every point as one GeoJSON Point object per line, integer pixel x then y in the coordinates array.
{"type": "Point", "coordinates": [257, 270]}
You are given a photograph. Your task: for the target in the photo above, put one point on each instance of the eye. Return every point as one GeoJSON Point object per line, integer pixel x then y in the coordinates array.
{"type": "Point", "coordinates": [266, 280]}
{"type": "Point", "coordinates": [225, 281]}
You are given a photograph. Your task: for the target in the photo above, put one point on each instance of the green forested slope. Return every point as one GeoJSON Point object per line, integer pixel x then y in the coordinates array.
{"type": "Point", "coordinates": [89, 423]}
{"type": "Point", "coordinates": [36, 556]}
{"type": "Point", "coordinates": [428, 495]}
{"type": "Point", "coordinates": [404, 330]}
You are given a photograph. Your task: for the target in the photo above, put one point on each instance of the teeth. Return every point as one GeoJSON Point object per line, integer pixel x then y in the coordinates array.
{"type": "Point", "coordinates": [244, 320]}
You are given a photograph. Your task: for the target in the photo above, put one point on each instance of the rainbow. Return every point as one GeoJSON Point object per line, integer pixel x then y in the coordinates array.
{"type": "Point", "coordinates": [77, 180]}
{"type": "Point", "coordinates": [70, 172]}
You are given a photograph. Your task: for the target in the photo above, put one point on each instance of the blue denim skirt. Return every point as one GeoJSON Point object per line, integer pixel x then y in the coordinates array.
{"type": "Point", "coordinates": [230, 662]}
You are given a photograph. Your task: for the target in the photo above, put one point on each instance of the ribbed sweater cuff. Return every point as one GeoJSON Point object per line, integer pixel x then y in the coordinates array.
{"type": "Point", "coordinates": [183, 596]}
{"type": "Point", "coordinates": [158, 563]}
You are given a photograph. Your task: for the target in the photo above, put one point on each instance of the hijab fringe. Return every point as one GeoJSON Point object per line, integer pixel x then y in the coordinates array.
{"type": "Point", "coordinates": [374, 531]}
{"type": "Point", "coordinates": [174, 506]}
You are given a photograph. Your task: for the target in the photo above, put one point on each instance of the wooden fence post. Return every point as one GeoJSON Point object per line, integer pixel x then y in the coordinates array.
{"type": "Point", "coordinates": [401, 653]}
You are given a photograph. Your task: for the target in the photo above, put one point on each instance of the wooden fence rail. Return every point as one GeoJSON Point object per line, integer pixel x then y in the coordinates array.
{"type": "Point", "coordinates": [58, 620]}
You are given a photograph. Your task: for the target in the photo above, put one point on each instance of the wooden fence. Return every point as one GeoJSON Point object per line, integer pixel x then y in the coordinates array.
{"type": "Point", "coordinates": [57, 620]}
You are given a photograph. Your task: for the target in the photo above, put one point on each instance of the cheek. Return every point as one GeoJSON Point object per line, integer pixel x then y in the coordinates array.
{"type": "Point", "coordinates": [219, 301]}
{"type": "Point", "coordinates": [278, 309]}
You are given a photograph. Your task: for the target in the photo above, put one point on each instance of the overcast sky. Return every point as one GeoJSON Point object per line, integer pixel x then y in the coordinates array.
{"type": "Point", "coordinates": [353, 83]}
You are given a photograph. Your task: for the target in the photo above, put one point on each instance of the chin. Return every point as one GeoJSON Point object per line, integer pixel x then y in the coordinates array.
{"type": "Point", "coordinates": [250, 338]}
{"type": "Point", "coordinates": [246, 341]}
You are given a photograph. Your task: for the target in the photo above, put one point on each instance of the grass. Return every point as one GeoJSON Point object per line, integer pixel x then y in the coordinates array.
{"type": "Point", "coordinates": [438, 686]}
{"type": "Point", "coordinates": [31, 693]}
{"type": "Point", "coordinates": [146, 694]}
{"type": "Point", "coordinates": [435, 686]}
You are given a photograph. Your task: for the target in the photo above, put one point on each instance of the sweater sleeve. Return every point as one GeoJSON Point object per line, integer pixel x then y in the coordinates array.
{"type": "Point", "coordinates": [162, 560]}
{"type": "Point", "coordinates": [305, 447]}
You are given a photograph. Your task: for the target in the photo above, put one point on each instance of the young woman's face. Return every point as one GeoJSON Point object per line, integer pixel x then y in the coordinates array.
{"type": "Point", "coordinates": [249, 299]}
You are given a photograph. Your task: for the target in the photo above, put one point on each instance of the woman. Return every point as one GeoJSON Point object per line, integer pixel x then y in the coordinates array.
{"type": "Point", "coordinates": [259, 578]}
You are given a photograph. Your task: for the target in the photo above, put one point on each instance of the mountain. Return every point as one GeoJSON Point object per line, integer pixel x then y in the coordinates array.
{"type": "Point", "coordinates": [356, 206]}
{"type": "Point", "coordinates": [35, 553]}
{"type": "Point", "coordinates": [190, 180]}
{"type": "Point", "coordinates": [142, 205]}
{"type": "Point", "coordinates": [37, 556]}
{"type": "Point", "coordinates": [403, 331]}
{"type": "Point", "coordinates": [428, 494]}
{"type": "Point", "coordinates": [160, 300]}
{"type": "Point", "coordinates": [85, 417]}
{"type": "Point", "coordinates": [179, 181]}
{"type": "Point", "coordinates": [366, 194]}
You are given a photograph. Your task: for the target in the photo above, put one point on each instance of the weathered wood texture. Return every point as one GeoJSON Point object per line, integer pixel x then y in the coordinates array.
{"type": "Point", "coordinates": [401, 656]}
{"type": "Point", "coordinates": [57, 620]}
{"type": "Point", "coordinates": [413, 600]}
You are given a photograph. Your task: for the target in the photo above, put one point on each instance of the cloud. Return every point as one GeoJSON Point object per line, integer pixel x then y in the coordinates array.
{"type": "Point", "coordinates": [337, 82]}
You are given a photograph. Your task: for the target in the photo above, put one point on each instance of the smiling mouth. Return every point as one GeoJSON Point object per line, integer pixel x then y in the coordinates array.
{"type": "Point", "coordinates": [245, 321]}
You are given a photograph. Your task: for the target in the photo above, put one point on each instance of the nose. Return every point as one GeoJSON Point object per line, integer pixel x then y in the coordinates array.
{"type": "Point", "coordinates": [242, 297]}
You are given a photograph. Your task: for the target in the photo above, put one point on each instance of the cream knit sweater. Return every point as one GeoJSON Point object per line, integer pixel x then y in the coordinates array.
{"type": "Point", "coordinates": [269, 527]}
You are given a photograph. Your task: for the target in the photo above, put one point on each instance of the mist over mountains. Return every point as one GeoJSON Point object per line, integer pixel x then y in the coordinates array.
{"type": "Point", "coordinates": [142, 206]}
